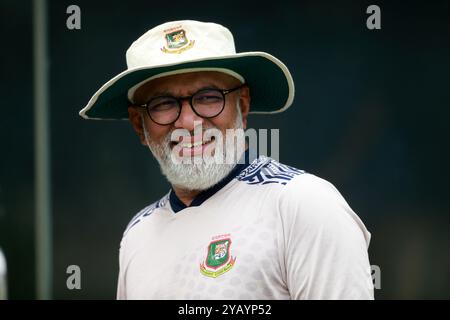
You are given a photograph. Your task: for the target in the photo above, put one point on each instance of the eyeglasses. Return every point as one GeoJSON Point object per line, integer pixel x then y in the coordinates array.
{"type": "Point", "coordinates": [206, 103]}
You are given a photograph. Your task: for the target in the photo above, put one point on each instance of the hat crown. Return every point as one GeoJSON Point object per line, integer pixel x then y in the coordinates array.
{"type": "Point", "coordinates": [180, 41]}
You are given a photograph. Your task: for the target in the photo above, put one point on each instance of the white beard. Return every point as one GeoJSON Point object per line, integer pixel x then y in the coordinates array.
{"type": "Point", "coordinates": [195, 176]}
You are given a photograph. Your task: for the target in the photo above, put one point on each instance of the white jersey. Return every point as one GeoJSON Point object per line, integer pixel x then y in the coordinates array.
{"type": "Point", "coordinates": [268, 231]}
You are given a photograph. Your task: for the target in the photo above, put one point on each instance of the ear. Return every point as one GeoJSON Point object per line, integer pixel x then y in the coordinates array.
{"type": "Point", "coordinates": [244, 102]}
{"type": "Point", "coordinates": [135, 117]}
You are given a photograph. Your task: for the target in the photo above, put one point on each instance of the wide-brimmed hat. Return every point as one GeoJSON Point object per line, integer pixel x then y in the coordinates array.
{"type": "Point", "coordinates": [187, 46]}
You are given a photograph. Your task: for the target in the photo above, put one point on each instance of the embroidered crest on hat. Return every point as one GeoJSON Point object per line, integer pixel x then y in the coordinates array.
{"type": "Point", "coordinates": [177, 41]}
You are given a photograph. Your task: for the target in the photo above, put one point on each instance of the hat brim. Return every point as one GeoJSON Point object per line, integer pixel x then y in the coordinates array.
{"type": "Point", "coordinates": [270, 82]}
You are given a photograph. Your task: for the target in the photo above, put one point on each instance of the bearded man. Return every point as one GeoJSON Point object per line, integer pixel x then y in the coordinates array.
{"type": "Point", "coordinates": [245, 228]}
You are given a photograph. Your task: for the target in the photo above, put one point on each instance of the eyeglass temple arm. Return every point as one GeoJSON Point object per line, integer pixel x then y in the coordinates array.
{"type": "Point", "coordinates": [234, 89]}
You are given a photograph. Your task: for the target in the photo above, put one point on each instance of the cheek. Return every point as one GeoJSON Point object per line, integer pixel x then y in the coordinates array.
{"type": "Point", "coordinates": [226, 119]}
{"type": "Point", "coordinates": [156, 131]}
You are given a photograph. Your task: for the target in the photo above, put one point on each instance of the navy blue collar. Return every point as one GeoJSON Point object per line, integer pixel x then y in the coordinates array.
{"type": "Point", "coordinates": [178, 205]}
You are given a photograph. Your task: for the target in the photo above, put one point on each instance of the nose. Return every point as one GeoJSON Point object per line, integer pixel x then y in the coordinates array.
{"type": "Point", "coordinates": [187, 117]}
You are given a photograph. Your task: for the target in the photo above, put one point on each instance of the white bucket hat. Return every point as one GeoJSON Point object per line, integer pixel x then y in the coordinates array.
{"type": "Point", "coordinates": [188, 46]}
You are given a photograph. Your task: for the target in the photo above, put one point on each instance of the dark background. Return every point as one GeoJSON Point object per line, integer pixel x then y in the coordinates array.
{"type": "Point", "coordinates": [370, 115]}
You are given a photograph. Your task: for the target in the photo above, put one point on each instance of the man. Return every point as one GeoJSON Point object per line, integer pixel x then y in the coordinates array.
{"type": "Point", "coordinates": [249, 228]}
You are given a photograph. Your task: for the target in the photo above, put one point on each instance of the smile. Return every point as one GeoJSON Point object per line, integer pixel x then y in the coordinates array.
{"type": "Point", "coordinates": [188, 147]}
{"type": "Point", "coordinates": [193, 145]}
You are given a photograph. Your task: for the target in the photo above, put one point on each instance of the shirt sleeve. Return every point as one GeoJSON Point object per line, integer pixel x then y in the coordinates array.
{"type": "Point", "coordinates": [325, 243]}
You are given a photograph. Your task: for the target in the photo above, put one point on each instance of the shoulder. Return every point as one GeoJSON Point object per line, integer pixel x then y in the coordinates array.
{"type": "Point", "coordinates": [316, 204]}
{"type": "Point", "coordinates": [265, 170]}
{"type": "Point", "coordinates": [145, 212]}
{"type": "Point", "coordinates": [268, 171]}
{"type": "Point", "coordinates": [305, 202]}
{"type": "Point", "coordinates": [295, 186]}
{"type": "Point", "coordinates": [311, 187]}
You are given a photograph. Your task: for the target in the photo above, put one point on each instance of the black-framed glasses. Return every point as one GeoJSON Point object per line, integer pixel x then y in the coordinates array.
{"type": "Point", "coordinates": [206, 103]}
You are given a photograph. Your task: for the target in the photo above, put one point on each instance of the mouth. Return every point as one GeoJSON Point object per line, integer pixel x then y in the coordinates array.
{"type": "Point", "coordinates": [191, 147]}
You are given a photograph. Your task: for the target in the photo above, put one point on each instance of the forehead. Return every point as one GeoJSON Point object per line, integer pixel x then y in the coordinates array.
{"type": "Point", "coordinates": [186, 83]}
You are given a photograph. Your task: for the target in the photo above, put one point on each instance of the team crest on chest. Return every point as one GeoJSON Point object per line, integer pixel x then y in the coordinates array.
{"type": "Point", "coordinates": [177, 41]}
{"type": "Point", "coordinates": [218, 257]}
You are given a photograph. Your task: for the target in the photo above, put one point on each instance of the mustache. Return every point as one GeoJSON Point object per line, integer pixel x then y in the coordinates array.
{"type": "Point", "coordinates": [163, 146]}
{"type": "Point", "coordinates": [177, 135]}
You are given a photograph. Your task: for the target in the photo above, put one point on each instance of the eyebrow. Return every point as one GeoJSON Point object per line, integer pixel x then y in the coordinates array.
{"type": "Point", "coordinates": [158, 94]}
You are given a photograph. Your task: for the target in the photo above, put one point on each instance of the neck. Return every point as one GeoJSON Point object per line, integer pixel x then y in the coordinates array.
{"type": "Point", "coordinates": [186, 196]}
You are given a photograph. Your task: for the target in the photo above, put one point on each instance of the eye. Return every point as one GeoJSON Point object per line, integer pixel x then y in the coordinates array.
{"type": "Point", "coordinates": [162, 104]}
{"type": "Point", "coordinates": [208, 97]}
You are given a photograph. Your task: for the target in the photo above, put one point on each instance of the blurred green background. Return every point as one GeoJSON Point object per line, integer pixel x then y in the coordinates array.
{"type": "Point", "coordinates": [371, 115]}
